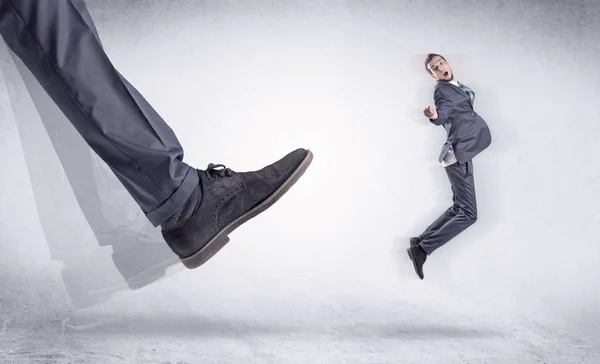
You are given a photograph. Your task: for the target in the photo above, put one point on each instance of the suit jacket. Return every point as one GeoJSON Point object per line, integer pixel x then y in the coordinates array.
{"type": "Point", "coordinates": [468, 133]}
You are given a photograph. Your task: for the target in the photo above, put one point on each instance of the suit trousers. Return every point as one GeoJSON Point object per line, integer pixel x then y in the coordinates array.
{"type": "Point", "coordinates": [461, 215]}
{"type": "Point", "coordinates": [58, 42]}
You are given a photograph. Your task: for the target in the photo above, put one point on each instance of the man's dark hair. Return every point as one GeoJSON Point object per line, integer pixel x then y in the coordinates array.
{"type": "Point", "coordinates": [428, 59]}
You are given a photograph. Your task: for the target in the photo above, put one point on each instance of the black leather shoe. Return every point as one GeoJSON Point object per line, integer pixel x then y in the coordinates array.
{"type": "Point", "coordinates": [229, 199]}
{"type": "Point", "coordinates": [418, 257]}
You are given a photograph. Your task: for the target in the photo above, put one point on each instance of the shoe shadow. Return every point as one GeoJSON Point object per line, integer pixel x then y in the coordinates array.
{"type": "Point", "coordinates": [173, 326]}
{"type": "Point", "coordinates": [418, 332]}
{"type": "Point", "coordinates": [190, 325]}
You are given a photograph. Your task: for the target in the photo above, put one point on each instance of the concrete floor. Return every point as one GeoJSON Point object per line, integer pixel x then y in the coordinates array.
{"type": "Point", "coordinates": [247, 317]}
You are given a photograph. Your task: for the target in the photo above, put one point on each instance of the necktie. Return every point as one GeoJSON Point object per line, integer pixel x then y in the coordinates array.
{"type": "Point", "coordinates": [468, 90]}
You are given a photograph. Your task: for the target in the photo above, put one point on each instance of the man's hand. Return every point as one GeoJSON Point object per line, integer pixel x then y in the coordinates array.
{"type": "Point", "coordinates": [430, 112]}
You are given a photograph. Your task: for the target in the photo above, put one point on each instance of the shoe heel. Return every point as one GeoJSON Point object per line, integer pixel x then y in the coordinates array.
{"type": "Point", "coordinates": [208, 251]}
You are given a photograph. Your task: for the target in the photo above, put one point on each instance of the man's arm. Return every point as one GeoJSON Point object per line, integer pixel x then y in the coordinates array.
{"type": "Point", "coordinates": [444, 107]}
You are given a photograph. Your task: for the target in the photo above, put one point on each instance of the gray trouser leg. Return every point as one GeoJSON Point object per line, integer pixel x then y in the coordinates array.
{"type": "Point", "coordinates": [59, 46]}
{"type": "Point", "coordinates": [460, 216]}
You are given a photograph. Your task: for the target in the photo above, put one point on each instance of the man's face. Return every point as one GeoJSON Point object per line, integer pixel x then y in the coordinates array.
{"type": "Point", "coordinates": [440, 69]}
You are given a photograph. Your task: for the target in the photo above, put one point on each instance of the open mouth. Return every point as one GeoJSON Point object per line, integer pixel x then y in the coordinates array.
{"type": "Point", "coordinates": [446, 74]}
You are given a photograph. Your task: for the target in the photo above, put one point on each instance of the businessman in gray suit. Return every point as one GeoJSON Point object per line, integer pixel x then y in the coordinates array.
{"type": "Point", "coordinates": [468, 135]}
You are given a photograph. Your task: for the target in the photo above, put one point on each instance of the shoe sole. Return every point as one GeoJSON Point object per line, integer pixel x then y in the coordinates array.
{"type": "Point", "coordinates": [221, 239]}
{"type": "Point", "coordinates": [414, 261]}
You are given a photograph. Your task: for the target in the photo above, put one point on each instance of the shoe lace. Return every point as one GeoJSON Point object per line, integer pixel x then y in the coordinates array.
{"type": "Point", "coordinates": [218, 170]}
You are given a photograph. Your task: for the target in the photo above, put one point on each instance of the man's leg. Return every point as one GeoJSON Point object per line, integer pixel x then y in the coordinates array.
{"type": "Point", "coordinates": [197, 210]}
{"type": "Point", "coordinates": [441, 221]}
{"type": "Point", "coordinates": [138, 249]}
{"type": "Point", "coordinates": [438, 223]}
{"type": "Point", "coordinates": [465, 205]}
{"type": "Point", "coordinates": [54, 41]}
{"type": "Point", "coordinates": [139, 252]}
{"type": "Point", "coordinates": [454, 221]}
